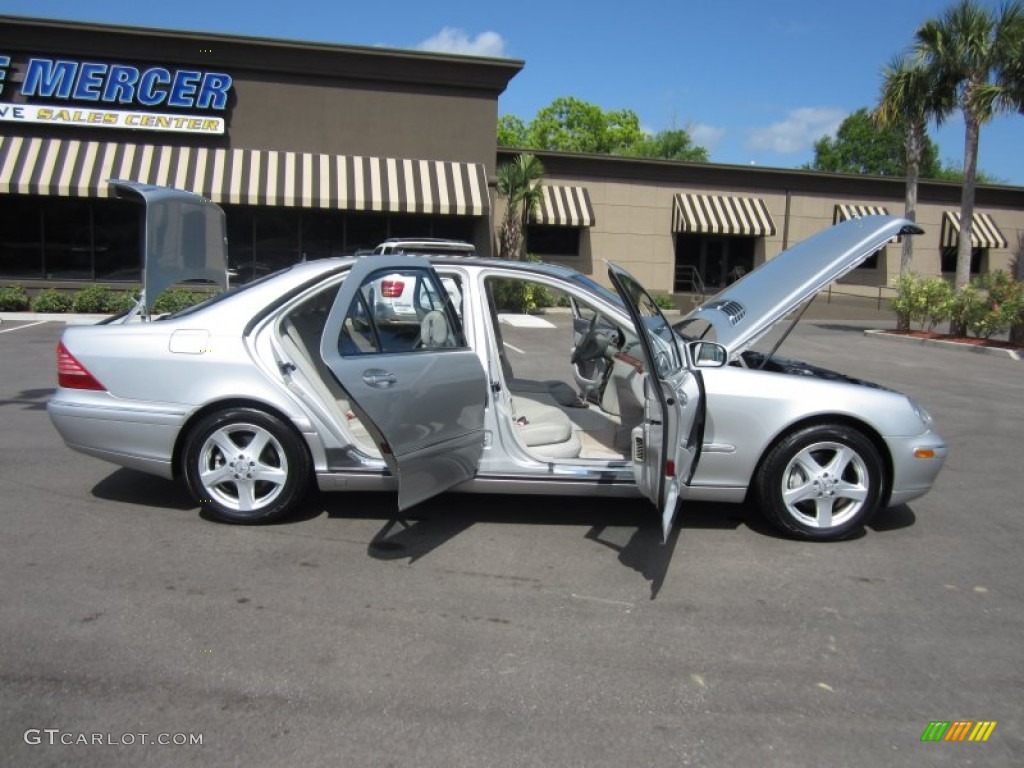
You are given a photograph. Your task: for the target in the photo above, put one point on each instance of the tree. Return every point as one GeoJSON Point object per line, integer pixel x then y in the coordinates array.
{"type": "Point", "coordinates": [864, 146]}
{"type": "Point", "coordinates": [675, 144]}
{"type": "Point", "coordinates": [975, 58]}
{"type": "Point", "coordinates": [511, 131]}
{"type": "Point", "coordinates": [569, 124]}
{"type": "Point", "coordinates": [519, 183]}
{"type": "Point", "coordinates": [907, 104]}
{"type": "Point", "coordinates": [950, 171]}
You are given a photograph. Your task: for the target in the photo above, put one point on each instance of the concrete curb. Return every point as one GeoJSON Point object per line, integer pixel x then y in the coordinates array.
{"type": "Point", "coordinates": [954, 346]}
{"type": "Point", "coordinates": [68, 318]}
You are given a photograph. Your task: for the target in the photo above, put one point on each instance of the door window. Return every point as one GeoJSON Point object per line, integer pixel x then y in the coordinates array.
{"type": "Point", "coordinates": [400, 311]}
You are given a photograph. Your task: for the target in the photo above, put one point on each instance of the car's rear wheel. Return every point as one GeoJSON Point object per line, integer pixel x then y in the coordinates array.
{"type": "Point", "coordinates": [822, 482]}
{"type": "Point", "coordinates": [244, 465]}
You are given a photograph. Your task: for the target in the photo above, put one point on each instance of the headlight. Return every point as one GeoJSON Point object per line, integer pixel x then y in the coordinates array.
{"type": "Point", "coordinates": [922, 414]}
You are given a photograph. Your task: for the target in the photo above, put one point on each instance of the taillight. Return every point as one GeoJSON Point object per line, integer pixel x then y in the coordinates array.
{"type": "Point", "coordinates": [391, 289]}
{"type": "Point", "coordinates": [71, 373]}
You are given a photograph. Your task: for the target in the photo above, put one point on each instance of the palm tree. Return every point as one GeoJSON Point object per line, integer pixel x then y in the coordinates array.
{"type": "Point", "coordinates": [907, 101]}
{"type": "Point", "coordinates": [975, 58]}
{"type": "Point", "coordinates": [519, 184]}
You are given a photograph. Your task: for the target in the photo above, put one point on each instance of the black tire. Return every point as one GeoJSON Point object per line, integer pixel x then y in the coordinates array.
{"type": "Point", "coordinates": [238, 482]}
{"type": "Point", "coordinates": [833, 475]}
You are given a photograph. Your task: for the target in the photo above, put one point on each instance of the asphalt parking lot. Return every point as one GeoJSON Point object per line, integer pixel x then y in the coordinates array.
{"type": "Point", "coordinates": [511, 631]}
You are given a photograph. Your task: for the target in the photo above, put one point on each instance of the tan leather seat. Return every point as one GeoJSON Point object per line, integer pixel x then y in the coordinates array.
{"type": "Point", "coordinates": [545, 429]}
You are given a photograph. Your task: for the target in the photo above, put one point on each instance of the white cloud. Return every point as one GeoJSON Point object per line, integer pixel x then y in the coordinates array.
{"type": "Point", "coordinates": [798, 132]}
{"type": "Point", "coordinates": [452, 40]}
{"type": "Point", "coordinates": [707, 136]}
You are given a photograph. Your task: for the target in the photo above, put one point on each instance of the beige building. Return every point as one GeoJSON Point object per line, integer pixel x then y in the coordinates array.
{"type": "Point", "coordinates": [677, 226]}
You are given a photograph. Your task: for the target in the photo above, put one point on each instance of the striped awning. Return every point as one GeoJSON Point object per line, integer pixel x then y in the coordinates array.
{"type": "Point", "coordinates": [721, 215]}
{"type": "Point", "coordinates": [844, 212]}
{"type": "Point", "coordinates": [984, 232]}
{"type": "Point", "coordinates": [62, 167]}
{"type": "Point", "coordinates": [564, 207]}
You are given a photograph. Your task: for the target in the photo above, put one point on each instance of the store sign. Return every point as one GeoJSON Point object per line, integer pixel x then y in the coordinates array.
{"type": "Point", "coordinates": [86, 93]}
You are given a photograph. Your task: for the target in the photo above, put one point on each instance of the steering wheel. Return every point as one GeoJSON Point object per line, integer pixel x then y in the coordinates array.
{"type": "Point", "coordinates": [589, 347]}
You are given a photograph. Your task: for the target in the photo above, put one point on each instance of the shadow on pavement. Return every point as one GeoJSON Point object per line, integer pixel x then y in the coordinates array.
{"type": "Point", "coordinates": [30, 399]}
{"type": "Point", "coordinates": [893, 519]}
{"type": "Point", "coordinates": [129, 486]}
{"type": "Point", "coordinates": [629, 527]}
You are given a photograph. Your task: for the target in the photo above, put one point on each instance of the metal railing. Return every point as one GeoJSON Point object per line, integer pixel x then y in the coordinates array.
{"type": "Point", "coordinates": [688, 280]}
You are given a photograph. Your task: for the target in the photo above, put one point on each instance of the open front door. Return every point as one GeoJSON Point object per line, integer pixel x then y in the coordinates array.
{"type": "Point", "coordinates": [667, 444]}
{"type": "Point", "coordinates": [395, 345]}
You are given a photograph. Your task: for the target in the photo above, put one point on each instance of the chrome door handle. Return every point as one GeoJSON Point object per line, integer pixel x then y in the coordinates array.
{"type": "Point", "coordinates": [375, 377]}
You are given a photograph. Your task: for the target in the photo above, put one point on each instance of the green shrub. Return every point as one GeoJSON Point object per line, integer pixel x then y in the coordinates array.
{"type": "Point", "coordinates": [925, 300]}
{"type": "Point", "coordinates": [520, 296]}
{"type": "Point", "coordinates": [664, 301]}
{"type": "Point", "coordinates": [176, 299]}
{"type": "Point", "coordinates": [13, 299]}
{"type": "Point", "coordinates": [122, 302]}
{"type": "Point", "coordinates": [988, 305]}
{"type": "Point", "coordinates": [51, 300]}
{"type": "Point", "coordinates": [93, 299]}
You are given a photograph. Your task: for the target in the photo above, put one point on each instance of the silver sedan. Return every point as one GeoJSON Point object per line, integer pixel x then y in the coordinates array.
{"type": "Point", "coordinates": [291, 380]}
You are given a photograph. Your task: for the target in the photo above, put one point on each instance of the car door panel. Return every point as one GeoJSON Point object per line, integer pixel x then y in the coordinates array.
{"type": "Point", "coordinates": [423, 405]}
{"type": "Point", "coordinates": [665, 444]}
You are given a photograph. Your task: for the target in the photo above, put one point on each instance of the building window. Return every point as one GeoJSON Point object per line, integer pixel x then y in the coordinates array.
{"type": "Point", "coordinates": [552, 241]}
{"type": "Point", "coordinates": [264, 239]}
{"type": "Point", "coordinates": [117, 240]}
{"type": "Point", "coordinates": [711, 261]}
{"type": "Point", "coordinates": [871, 262]}
{"type": "Point", "coordinates": [21, 237]}
{"type": "Point", "coordinates": [78, 238]}
{"type": "Point", "coordinates": [69, 238]}
{"type": "Point", "coordinates": [978, 256]}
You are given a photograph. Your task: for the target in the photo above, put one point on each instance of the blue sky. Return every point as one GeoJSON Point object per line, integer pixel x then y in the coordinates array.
{"type": "Point", "coordinates": [755, 82]}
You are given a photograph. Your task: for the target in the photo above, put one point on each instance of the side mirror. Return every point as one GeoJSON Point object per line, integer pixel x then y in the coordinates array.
{"type": "Point", "coordinates": [707, 354]}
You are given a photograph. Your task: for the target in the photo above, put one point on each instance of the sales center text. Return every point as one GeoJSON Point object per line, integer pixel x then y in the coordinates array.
{"type": "Point", "coordinates": [133, 120]}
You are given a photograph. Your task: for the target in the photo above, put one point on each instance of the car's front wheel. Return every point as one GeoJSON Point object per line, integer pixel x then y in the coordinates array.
{"type": "Point", "coordinates": [821, 482]}
{"type": "Point", "coordinates": [244, 465]}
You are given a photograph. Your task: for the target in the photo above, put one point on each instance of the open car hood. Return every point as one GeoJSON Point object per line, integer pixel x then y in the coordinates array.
{"type": "Point", "coordinates": [746, 310]}
{"type": "Point", "coordinates": [184, 238]}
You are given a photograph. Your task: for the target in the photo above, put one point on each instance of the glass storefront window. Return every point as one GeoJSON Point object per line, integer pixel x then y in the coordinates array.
{"type": "Point", "coordinates": [21, 237]}
{"type": "Point", "coordinates": [323, 234]}
{"type": "Point", "coordinates": [117, 239]}
{"type": "Point", "coordinates": [68, 245]}
{"type": "Point", "coordinates": [100, 239]}
{"type": "Point", "coordinates": [275, 240]}
{"type": "Point", "coordinates": [240, 235]}
{"type": "Point", "coordinates": [553, 241]}
{"type": "Point", "coordinates": [363, 231]}
{"type": "Point", "coordinates": [452, 227]}
{"type": "Point", "coordinates": [949, 256]}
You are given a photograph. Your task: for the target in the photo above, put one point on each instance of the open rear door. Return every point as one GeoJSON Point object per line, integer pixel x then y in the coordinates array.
{"type": "Point", "coordinates": [667, 444]}
{"type": "Point", "coordinates": [411, 377]}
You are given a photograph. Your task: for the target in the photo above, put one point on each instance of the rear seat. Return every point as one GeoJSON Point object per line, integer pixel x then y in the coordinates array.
{"type": "Point", "coordinates": [301, 338]}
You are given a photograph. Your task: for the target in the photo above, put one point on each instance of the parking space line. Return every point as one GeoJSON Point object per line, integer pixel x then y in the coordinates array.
{"type": "Point", "coordinates": [29, 325]}
{"type": "Point", "coordinates": [514, 349]}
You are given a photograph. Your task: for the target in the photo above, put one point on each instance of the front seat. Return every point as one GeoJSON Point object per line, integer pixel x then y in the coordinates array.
{"type": "Point", "coordinates": [544, 429]}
